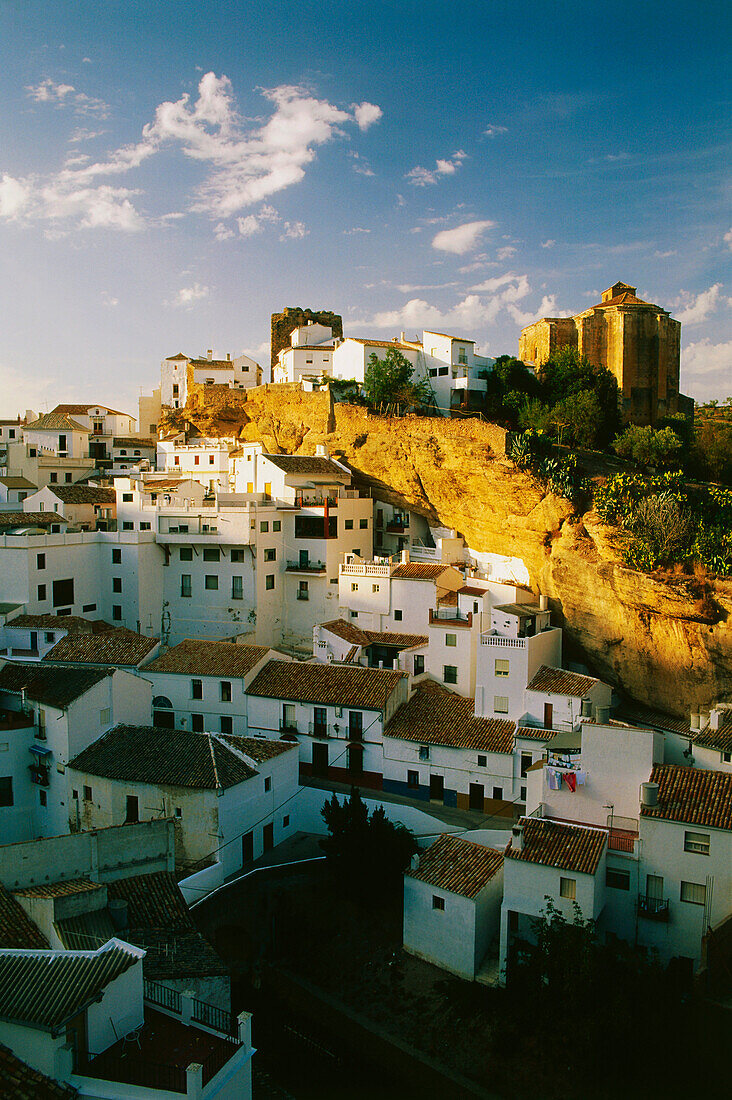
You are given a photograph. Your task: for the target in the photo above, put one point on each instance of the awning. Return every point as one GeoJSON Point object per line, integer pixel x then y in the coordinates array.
{"type": "Point", "coordinates": [39, 750]}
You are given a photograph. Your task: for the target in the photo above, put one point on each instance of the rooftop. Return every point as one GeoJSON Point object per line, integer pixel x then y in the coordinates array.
{"type": "Point", "coordinates": [55, 685]}
{"type": "Point", "coordinates": [17, 483]}
{"type": "Point", "coordinates": [64, 889]}
{"type": "Point", "coordinates": [71, 624]}
{"type": "Point", "coordinates": [536, 733]}
{"type": "Point", "coordinates": [349, 632]}
{"type": "Point", "coordinates": [435, 716]}
{"type": "Point", "coordinates": [719, 739]}
{"type": "Point", "coordinates": [557, 844]}
{"type": "Point", "coordinates": [258, 749]}
{"type": "Point", "coordinates": [523, 610]}
{"type": "Point", "coordinates": [692, 796]}
{"type": "Point", "coordinates": [310, 465]}
{"type": "Point", "coordinates": [19, 1081]}
{"type": "Point", "coordinates": [116, 646]}
{"type": "Point", "coordinates": [29, 519]}
{"type": "Point", "coordinates": [84, 494]}
{"type": "Point", "coordinates": [457, 865]}
{"type": "Point", "coordinates": [83, 410]}
{"type": "Point", "coordinates": [171, 758]}
{"type": "Point", "coordinates": [17, 930]}
{"type": "Point", "coordinates": [638, 714]}
{"type": "Point", "coordinates": [328, 685]}
{"type": "Point", "coordinates": [418, 571]}
{"type": "Point", "coordinates": [559, 681]}
{"type": "Point", "coordinates": [56, 421]}
{"type": "Point", "coordinates": [201, 658]}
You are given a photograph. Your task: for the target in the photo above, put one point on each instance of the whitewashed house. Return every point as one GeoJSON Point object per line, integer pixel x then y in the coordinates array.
{"type": "Point", "coordinates": [452, 904]}
{"type": "Point", "coordinates": [557, 698]}
{"type": "Point", "coordinates": [309, 356]}
{"type": "Point", "coordinates": [176, 371]}
{"type": "Point", "coordinates": [89, 507]}
{"type": "Point", "coordinates": [519, 640]}
{"type": "Point", "coordinates": [56, 434]}
{"type": "Point", "coordinates": [343, 641]}
{"type": "Point", "coordinates": [13, 491]}
{"type": "Point", "coordinates": [387, 595]}
{"type": "Point", "coordinates": [202, 459]}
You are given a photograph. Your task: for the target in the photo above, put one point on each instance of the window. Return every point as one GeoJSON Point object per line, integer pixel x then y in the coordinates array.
{"type": "Point", "coordinates": [145, 525]}
{"type": "Point", "coordinates": [210, 460]}
{"type": "Point", "coordinates": [501, 667]}
{"type": "Point", "coordinates": [87, 794]}
{"type": "Point", "coordinates": [237, 556]}
{"type": "Point", "coordinates": [500, 704]}
{"type": "Point", "coordinates": [211, 582]}
{"type": "Point", "coordinates": [40, 561]}
{"type": "Point", "coordinates": [63, 592]}
{"type": "Point", "coordinates": [482, 761]}
{"type": "Point", "coordinates": [116, 557]}
{"type": "Point", "coordinates": [498, 793]}
{"type": "Point", "coordinates": [225, 686]}
{"type": "Point", "coordinates": [419, 664]}
{"type": "Point", "coordinates": [363, 524]}
{"type": "Point", "coordinates": [412, 780]}
{"type": "Point", "coordinates": [354, 614]}
{"type": "Point", "coordinates": [264, 527]}
{"type": "Point", "coordinates": [197, 723]}
{"type": "Point", "coordinates": [270, 554]}
{"type": "Point", "coordinates": [43, 798]}
{"type": "Point", "coordinates": [49, 636]}
{"type": "Point", "coordinates": [313, 527]}
{"type": "Point", "coordinates": [348, 525]}
{"type": "Point", "coordinates": [89, 607]}
{"type": "Point", "coordinates": [132, 808]}
{"type": "Point", "coordinates": [526, 761]}
{"type": "Point", "coordinates": [116, 584]}
{"type": "Point", "coordinates": [354, 586]}
{"type": "Point", "coordinates": [211, 554]}
{"type": "Point", "coordinates": [127, 498]}
{"type": "Point", "coordinates": [185, 584]}
{"type": "Point", "coordinates": [6, 790]}
{"type": "Point", "coordinates": [449, 674]}
{"type": "Point", "coordinates": [127, 525]}
{"type": "Point", "coordinates": [276, 524]}
{"type": "Point", "coordinates": [226, 723]}
{"type": "Point", "coordinates": [116, 612]}
{"type": "Point", "coordinates": [726, 757]}
{"type": "Point", "coordinates": [268, 783]}
{"type": "Point", "coordinates": [303, 591]}
{"type": "Point", "coordinates": [424, 752]}
{"type": "Point", "coordinates": [67, 479]}
{"type": "Point", "coordinates": [41, 591]}
{"type": "Point", "coordinates": [105, 716]}
{"type": "Point", "coordinates": [568, 888]}
{"type": "Point", "coordinates": [237, 588]}
{"type": "Point", "coordinates": [178, 812]}
{"type": "Point", "coordinates": [375, 588]}
{"type": "Point", "coordinates": [196, 460]}
{"type": "Point", "coordinates": [451, 640]}
{"type": "Point", "coordinates": [618, 880]}
{"type": "Point", "coordinates": [398, 616]}
{"type": "Point", "coordinates": [196, 689]}
{"type": "Point", "coordinates": [53, 477]}
{"type": "Point", "coordinates": [269, 582]}
{"type": "Point", "coordinates": [285, 821]}
{"type": "Point", "coordinates": [697, 842]}
{"type": "Point", "coordinates": [442, 371]}
{"type": "Point", "coordinates": [694, 892]}
{"type": "Point", "coordinates": [438, 903]}
{"type": "Point", "coordinates": [522, 794]}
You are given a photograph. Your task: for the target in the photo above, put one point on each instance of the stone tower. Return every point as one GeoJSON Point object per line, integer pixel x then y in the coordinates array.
{"type": "Point", "coordinates": [291, 318]}
{"type": "Point", "coordinates": [639, 342]}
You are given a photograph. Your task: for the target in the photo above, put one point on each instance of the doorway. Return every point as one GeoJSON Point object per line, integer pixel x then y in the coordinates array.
{"type": "Point", "coordinates": [268, 837]}
{"type": "Point", "coordinates": [320, 759]}
{"type": "Point", "coordinates": [548, 715]}
{"type": "Point", "coordinates": [437, 788]}
{"type": "Point", "coordinates": [247, 848]}
{"type": "Point", "coordinates": [476, 797]}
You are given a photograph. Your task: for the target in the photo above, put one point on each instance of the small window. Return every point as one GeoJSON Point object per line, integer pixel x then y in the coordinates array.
{"type": "Point", "coordinates": [694, 892]}
{"type": "Point", "coordinates": [697, 842]}
{"type": "Point", "coordinates": [726, 757]}
{"type": "Point", "coordinates": [449, 674]}
{"type": "Point", "coordinates": [500, 704]}
{"type": "Point", "coordinates": [438, 903]}
{"type": "Point", "coordinates": [354, 586]}
{"type": "Point", "coordinates": [116, 557]}
{"type": "Point", "coordinates": [424, 752]}
{"type": "Point", "coordinates": [87, 794]}
{"type": "Point", "coordinates": [348, 525]}
{"type": "Point", "coordinates": [127, 498]}
{"type": "Point", "coordinates": [482, 761]}
{"type": "Point", "coordinates": [568, 888]}
{"type": "Point", "coordinates": [145, 525]}
{"type": "Point", "coordinates": [398, 616]}
{"type": "Point", "coordinates": [210, 460]}
{"type": "Point", "coordinates": [501, 667]}
{"type": "Point", "coordinates": [53, 478]}
{"type": "Point", "coordinates": [197, 723]}
{"type": "Point", "coordinates": [105, 715]}
{"type": "Point", "coordinates": [226, 723]}
{"type": "Point", "coordinates": [89, 607]}
{"type": "Point", "coordinates": [270, 555]}
{"type": "Point", "coordinates": [211, 554]}
{"type": "Point", "coordinates": [618, 880]}
{"type": "Point", "coordinates": [522, 794]}
{"type": "Point", "coordinates": [40, 561]}
{"type": "Point", "coordinates": [225, 691]}
{"type": "Point", "coordinates": [264, 527]}
{"type": "Point", "coordinates": [43, 798]}
{"type": "Point", "coordinates": [276, 524]}
{"type": "Point", "coordinates": [413, 780]}
{"type": "Point", "coordinates": [268, 783]}
{"type": "Point", "coordinates": [363, 524]}
{"type": "Point", "coordinates": [186, 587]}
{"type": "Point", "coordinates": [49, 637]}
{"type": "Point", "coordinates": [6, 790]}
{"type": "Point", "coordinates": [196, 460]}
{"type": "Point", "coordinates": [41, 592]}
{"type": "Point", "coordinates": [237, 588]}
{"type": "Point", "coordinates": [526, 762]}
{"type": "Point", "coordinates": [211, 582]}
{"type": "Point", "coordinates": [178, 812]}
{"type": "Point", "coordinates": [186, 553]}
{"type": "Point", "coordinates": [117, 612]}
{"type": "Point", "coordinates": [498, 794]}
{"type": "Point", "coordinates": [451, 640]}
{"type": "Point", "coordinates": [196, 689]}
{"type": "Point", "coordinates": [116, 584]}
{"type": "Point", "coordinates": [132, 808]}
{"type": "Point", "coordinates": [419, 664]}
{"type": "Point", "coordinates": [237, 555]}
{"type": "Point", "coordinates": [375, 588]}
{"type": "Point", "coordinates": [127, 525]}
{"type": "Point", "coordinates": [354, 614]}
{"type": "Point", "coordinates": [269, 582]}
{"type": "Point", "coordinates": [286, 821]}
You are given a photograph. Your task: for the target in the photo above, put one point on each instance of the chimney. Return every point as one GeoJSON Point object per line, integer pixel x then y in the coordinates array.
{"type": "Point", "coordinates": [586, 708]}
{"type": "Point", "coordinates": [405, 556]}
{"type": "Point", "coordinates": [402, 337]}
{"type": "Point", "coordinates": [715, 716]}
{"type": "Point", "coordinates": [695, 720]}
{"type": "Point", "coordinates": [543, 603]}
{"type": "Point", "coordinates": [321, 451]}
{"type": "Point", "coordinates": [602, 715]}
{"type": "Point", "coordinates": [414, 862]}
{"type": "Point", "coordinates": [649, 794]}
{"type": "Point", "coordinates": [118, 912]}
{"type": "Point", "coordinates": [517, 838]}
{"type": "Point", "coordinates": [228, 357]}
{"type": "Point", "coordinates": [209, 354]}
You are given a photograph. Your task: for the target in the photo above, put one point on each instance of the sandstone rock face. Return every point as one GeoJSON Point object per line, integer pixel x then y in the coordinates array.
{"type": "Point", "coordinates": [645, 634]}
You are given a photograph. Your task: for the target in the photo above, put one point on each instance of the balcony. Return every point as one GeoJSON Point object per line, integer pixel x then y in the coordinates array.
{"type": "Point", "coordinates": [39, 775]}
{"type": "Point", "coordinates": [319, 729]}
{"type": "Point", "coordinates": [653, 908]}
{"type": "Point", "coordinates": [315, 501]}
{"type": "Point", "coordinates": [499, 640]}
{"type": "Point", "coordinates": [288, 730]}
{"type": "Point", "coordinates": [365, 570]}
{"type": "Point", "coordinates": [397, 526]}
{"type": "Point", "coordinates": [306, 566]}
{"type": "Point", "coordinates": [451, 616]}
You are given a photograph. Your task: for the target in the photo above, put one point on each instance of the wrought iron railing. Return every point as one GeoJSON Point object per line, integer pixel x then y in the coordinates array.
{"type": "Point", "coordinates": [218, 1019]}
{"type": "Point", "coordinates": [653, 908]}
{"type": "Point", "coordinates": [132, 1070]}
{"type": "Point", "coordinates": [162, 996]}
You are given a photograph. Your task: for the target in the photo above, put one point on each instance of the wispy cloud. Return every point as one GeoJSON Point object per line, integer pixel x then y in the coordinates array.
{"type": "Point", "coordinates": [494, 131]}
{"type": "Point", "coordinates": [548, 243]}
{"type": "Point", "coordinates": [697, 307]}
{"type": "Point", "coordinates": [354, 230]}
{"type": "Point", "coordinates": [254, 223]}
{"type": "Point", "coordinates": [423, 177]}
{"type": "Point", "coordinates": [187, 296]}
{"type": "Point", "coordinates": [66, 95]}
{"type": "Point", "coordinates": [294, 231]}
{"type": "Point", "coordinates": [360, 164]}
{"type": "Point", "coordinates": [463, 238]}
{"type": "Point", "coordinates": [728, 238]}
{"type": "Point", "coordinates": [109, 299]}
{"type": "Point", "coordinates": [506, 252]}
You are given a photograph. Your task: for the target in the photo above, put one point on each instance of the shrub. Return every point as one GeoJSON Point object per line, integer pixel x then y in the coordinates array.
{"type": "Point", "coordinates": [648, 447]}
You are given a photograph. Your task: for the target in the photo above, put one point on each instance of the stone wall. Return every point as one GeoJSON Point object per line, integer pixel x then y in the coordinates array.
{"type": "Point", "coordinates": [291, 318]}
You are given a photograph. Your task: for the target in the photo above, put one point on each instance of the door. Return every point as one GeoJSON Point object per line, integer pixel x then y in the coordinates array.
{"type": "Point", "coordinates": [247, 848]}
{"type": "Point", "coordinates": [268, 837]}
{"type": "Point", "coordinates": [654, 887]}
{"type": "Point", "coordinates": [476, 796]}
{"type": "Point", "coordinates": [34, 640]}
{"type": "Point", "coordinates": [164, 719]}
{"type": "Point", "coordinates": [289, 721]}
{"type": "Point", "coordinates": [548, 715]}
{"type": "Point", "coordinates": [132, 810]}
{"type": "Point", "coordinates": [320, 722]}
{"type": "Point", "coordinates": [304, 559]}
{"type": "Point", "coordinates": [355, 725]}
{"type": "Point", "coordinates": [437, 788]}
{"type": "Point", "coordinates": [320, 759]}
{"type": "Point", "coordinates": [355, 759]}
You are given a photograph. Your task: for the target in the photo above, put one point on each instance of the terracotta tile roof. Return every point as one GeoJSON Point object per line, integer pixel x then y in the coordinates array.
{"type": "Point", "coordinates": [72, 624]}
{"type": "Point", "coordinates": [258, 749]}
{"type": "Point", "coordinates": [391, 637]}
{"type": "Point", "coordinates": [55, 685]}
{"type": "Point", "coordinates": [17, 483]}
{"type": "Point", "coordinates": [625, 298]}
{"type": "Point", "coordinates": [19, 1081]}
{"type": "Point", "coordinates": [720, 739]}
{"type": "Point", "coordinates": [535, 733]}
{"type": "Point", "coordinates": [638, 714]}
{"type": "Point", "coordinates": [110, 647]}
{"type": "Point", "coordinates": [84, 494]}
{"type": "Point", "coordinates": [131, 441]}
{"type": "Point", "coordinates": [153, 901]}
{"type": "Point", "coordinates": [559, 681]}
{"type": "Point", "coordinates": [347, 631]}
{"type": "Point", "coordinates": [201, 658]}
{"type": "Point", "coordinates": [470, 590]}
{"type": "Point", "coordinates": [311, 465]}
{"type": "Point", "coordinates": [418, 571]}
{"type": "Point", "coordinates": [171, 758]}
{"type": "Point", "coordinates": [327, 685]}
{"type": "Point", "coordinates": [436, 716]}
{"type": "Point", "coordinates": [16, 928]}
{"type": "Point", "coordinates": [65, 889]}
{"type": "Point", "coordinates": [29, 519]}
{"type": "Point", "coordinates": [457, 865]}
{"type": "Point", "coordinates": [55, 421]}
{"type": "Point", "coordinates": [83, 410]}
{"type": "Point", "coordinates": [556, 844]}
{"type": "Point", "coordinates": [212, 364]}
{"type": "Point", "coordinates": [692, 796]}
{"type": "Point", "coordinates": [381, 343]}
{"type": "Point", "coordinates": [180, 355]}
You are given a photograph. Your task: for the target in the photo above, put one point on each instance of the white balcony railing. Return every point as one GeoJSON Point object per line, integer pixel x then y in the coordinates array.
{"type": "Point", "coordinates": [499, 640]}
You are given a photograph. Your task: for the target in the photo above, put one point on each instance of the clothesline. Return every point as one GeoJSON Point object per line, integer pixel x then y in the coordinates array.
{"type": "Point", "coordinates": [571, 779]}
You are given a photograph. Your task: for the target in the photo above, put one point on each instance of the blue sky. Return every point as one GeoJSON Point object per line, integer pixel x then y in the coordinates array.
{"type": "Point", "coordinates": [172, 172]}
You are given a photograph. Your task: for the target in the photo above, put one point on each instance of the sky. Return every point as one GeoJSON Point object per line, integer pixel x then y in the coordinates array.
{"type": "Point", "coordinates": [173, 172]}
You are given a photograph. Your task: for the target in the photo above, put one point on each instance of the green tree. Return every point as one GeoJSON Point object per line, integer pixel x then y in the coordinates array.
{"type": "Point", "coordinates": [509, 384]}
{"type": "Point", "coordinates": [388, 381]}
{"type": "Point", "coordinates": [648, 446]}
{"type": "Point", "coordinates": [567, 373]}
{"type": "Point", "coordinates": [579, 419]}
{"type": "Point", "coordinates": [367, 853]}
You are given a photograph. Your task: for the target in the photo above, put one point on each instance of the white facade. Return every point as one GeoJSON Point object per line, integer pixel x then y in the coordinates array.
{"type": "Point", "coordinates": [508, 656]}
{"type": "Point", "coordinates": [309, 356]}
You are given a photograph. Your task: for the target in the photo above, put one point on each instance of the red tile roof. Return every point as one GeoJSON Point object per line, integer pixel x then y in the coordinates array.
{"type": "Point", "coordinates": [418, 571]}
{"type": "Point", "coordinates": [556, 844]}
{"type": "Point", "coordinates": [692, 796]}
{"type": "Point", "coordinates": [436, 716]}
{"type": "Point", "coordinates": [19, 1082]}
{"type": "Point", "coordinates": [559, 681]}
{"type": "Point", "coordinates": [110, 647]}
{"type": "Point", "coordinates": [194, 657]}
{"type": "Point", "coordinates": [258, 749]}
{"type": "Point", "coordinates": [535, 733]}
{"type": "Point", "coordinates": [64, 889]}
{"type": "Point", "coordinates": [346, 631]}
{"type": "Point", "coordinates": [457, 865]}
{"type": "Point", "coordinates": [327, 685]}
{"type": "Point", "coordinates": [17, 930]}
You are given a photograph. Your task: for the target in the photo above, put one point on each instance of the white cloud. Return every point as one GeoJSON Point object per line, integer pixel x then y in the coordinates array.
{"type": "Point", "coordinates": [494, 131]}
{"type": "Point", "coordinates": [82, 133]}
{"type": "Point", "coordinates": [728, 238]}
{"type": "Point", "coordinates": [665, 255]}
{"type": "Point", "coordinates": [548, 243]}
{"type": "Point", "coordinates": [108, 299]}
{"type": "Point", "coordinates": [706, 370]}
{"type": "Point", "coordinates": [422, 177]}
{"type": "Point", "coordinates": [354, 230]}
{"type": "Point", "coordinates": [547, 308]}
{"type": "Point", "coordinates": [254, 223]}
{"type": "Point", "coordinates": [697, 307]}
{"type": "Point", "coordinates": [361, 165]}
{"type": "Point", "coordinates": [506, 252]}
{"type": "Point", "coordinates": [462, 239]}
{"type": "Point", "coordinates": [514, 287]}
{"type": "Point", "coordinates": [187, 296]}
{"type": "Point", "coordinates": [366, 114]}
{"type": "Point", "coordinates": [13, 197]}
{"type": "Point", "coordinates": [223, 232]}
{"type": "Point", "coordinates": [294, 231]}
{"type": "Point", "coordinates": [407, 288]}
{"type": "Point", "coordinates": [66, 94]}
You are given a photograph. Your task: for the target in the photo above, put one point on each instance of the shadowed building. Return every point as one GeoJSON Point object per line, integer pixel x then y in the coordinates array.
{"type": "Point", "coordinates": [639, 342]}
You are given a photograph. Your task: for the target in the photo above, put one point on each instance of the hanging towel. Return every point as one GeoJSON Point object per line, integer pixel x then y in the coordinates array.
{"type": "Point", "coordinates": [581, 778]}
{"type": "Point", "coordinates": [571, 780]}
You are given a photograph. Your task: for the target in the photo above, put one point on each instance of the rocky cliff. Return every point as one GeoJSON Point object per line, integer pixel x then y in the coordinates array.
{"type": "Point", "coordinates": [662, 639]}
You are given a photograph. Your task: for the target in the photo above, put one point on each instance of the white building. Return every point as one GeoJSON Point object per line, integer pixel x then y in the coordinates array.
{"type": "Point", "coordinates": [203, 459]}
{"type": "Point", "coordinates": [57, 434]}
{"type": "Point", "coordinates": [452, 904]}
{"type": "Point", "coordinates": [102, 423]}
{"type": "Point", "coordinates": [87, 507]}
{"type": "Point", "coordinates": [177, 371]}
{"type": "Point", "coordinates": [343, 641]}
{"type": "Point", "coordinates": [13, 491]}
{"type": "Point", "coordinates": [520, 640]}
{"type": "Point", "coordinates": [310, 355]}
{"type": "Point", "coordinates": [393, 595]}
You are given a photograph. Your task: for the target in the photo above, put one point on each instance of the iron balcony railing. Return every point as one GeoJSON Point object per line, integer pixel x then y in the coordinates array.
{"type": "Point", "coordinates": [162, 996]}
{"type": "Point", "coordinates": [288, 727]}
{"type": "Point", "coordinates": [319, 729]}
{"type": "Point", "coordinates": [306, 566]}
{"type": "Point", "coordinates": [218, 1019]}
{"type": "Point", "coordinates": [131, 1070]}
{"type": "Point", "coordinates": [653, 908]}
